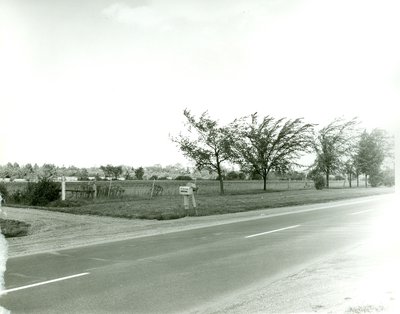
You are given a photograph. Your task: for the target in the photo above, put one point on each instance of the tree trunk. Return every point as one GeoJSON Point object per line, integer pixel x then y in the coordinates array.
{"type": "Point", "coordinates": [221, 181]}
{"type": "Point", "coordinates": [327, 179]}
{"type": "Point", "coordinates": [366, 180]}
{"type": "Point", "coordinates": [265, 180]}
{"type": "Point", "coordinates": [358, 180]}
{"type": "Point", "coordinates": [350, 180]}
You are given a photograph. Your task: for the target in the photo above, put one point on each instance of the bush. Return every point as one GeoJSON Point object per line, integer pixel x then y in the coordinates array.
{"type": "Point", "coordinates": [388, 177]}
{"type": "Point", "coordinates": [3, 191]}
{"type": "Point", "coordinates": [376, 179]}
{"type": "Point", "coordinates": [13, 228]}
{"type": "Point", "coordinates": [37, 194]}
{"type": "Point", "coordinates": [184, 178]}
{"type": "Point", "coordinates": [233, 175]}
{"type": "Point", "coordinates": [319, 182]}
{"type": "Point", "coordinates": [45, 192]}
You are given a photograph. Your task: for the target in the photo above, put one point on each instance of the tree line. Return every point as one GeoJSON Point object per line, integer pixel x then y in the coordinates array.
{"type": "Point", "coordinates": [259, 145]}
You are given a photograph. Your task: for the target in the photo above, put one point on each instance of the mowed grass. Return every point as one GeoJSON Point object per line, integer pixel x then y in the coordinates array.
{"type": "Point", "coordinates": [171, 206]}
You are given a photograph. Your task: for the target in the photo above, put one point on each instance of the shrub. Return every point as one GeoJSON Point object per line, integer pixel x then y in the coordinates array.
{"type": "Point", "coordinates": [319, 182]}
{"type": "Point", "coordinates": [37, 194]}
{"type": "Point", "coordinates": [13, 228]}
{"type": "Point", "coordinates": [184, 178]}
{"type": "Point", "coordinates": [3, 191]}
{"type": "Point", "coordinates": [376, 179]}
{"type": "Point", "coordinates": [45, 192]}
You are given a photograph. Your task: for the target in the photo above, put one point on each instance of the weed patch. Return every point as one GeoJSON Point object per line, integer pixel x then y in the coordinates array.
{"type": "Point", "coordinates": [13, 228]}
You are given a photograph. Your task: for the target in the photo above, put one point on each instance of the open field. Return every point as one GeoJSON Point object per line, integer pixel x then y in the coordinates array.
{"type": "Point", "coordinates": [171, 206]}
{"type": "Point", "coordinates": [137, 188]}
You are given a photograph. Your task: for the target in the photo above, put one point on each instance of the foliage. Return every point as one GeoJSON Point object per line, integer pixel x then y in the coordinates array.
{"type": "Point", "coordinates": [13, 228]}
{"type": "Point", "coordinates": [37, 194]}
{"type": "Point", "coordinates": [207, 144]}
{"type": "Point", "coordinates": [47, 172]}
{"type": "Point", "coordinates": [376, 179]}
{"type": "Point", "coordinates": [372, 149]}
{"type": "Point", "coordinates": [319, 182]}
{"type": "Point", "coordinates": [333, 143]}
{"type": "Point", "coordinates": [45, 191]}
{"type": "Point", "coordinates": [388, 177]}
{"type": "Point", "coordinates": [184, 178]}
{"type": "Point", "coordinates": [112, 171]}
{"type": "Point", "coordinates": [269, 144]}
{"type": "Point", "coordinates": [3, 190]}
{"type": "Point", "coordinates": [83, 175]}
{"type": "Point", "coordinates": [233, 175]}
{"type": "Point", "coordinates": [139, 173]}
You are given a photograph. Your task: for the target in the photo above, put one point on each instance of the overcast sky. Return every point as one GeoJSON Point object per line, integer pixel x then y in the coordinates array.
{"type": "Point", "coordinates": [91, 82]}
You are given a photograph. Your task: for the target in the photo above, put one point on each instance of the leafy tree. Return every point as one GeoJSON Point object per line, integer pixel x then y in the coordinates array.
{"type": "Point", "coordinates": [112, 171]}
{"type": "Point", "coordinates": [333, 144]}
{"type": "Point", "coordinates": [372, 149]}
{"type": "Point", "coordinates": [349, 169]}
{"type": "Point", "coordinates": [270, 144]}
{"type": "Point", "coordinates": [47, 172]}
{"type": "Point", "coordinates": [83, 174]}
{"type": "Point", "coordinates": [207, 144]}
{"type": "Point", "coordinates": [128, 173]}
{"type": "Point", "coordinates": [139, 173]}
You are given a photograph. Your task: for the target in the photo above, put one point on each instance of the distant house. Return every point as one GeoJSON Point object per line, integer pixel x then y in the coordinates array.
{"type": "Point", "coordinates": [68, 179]}
{"type": "Point", "coordinates": [20, 180]}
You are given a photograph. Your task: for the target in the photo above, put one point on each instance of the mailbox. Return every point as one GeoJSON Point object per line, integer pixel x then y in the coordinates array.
{"type": "Point", "coordinates": [185, 190]}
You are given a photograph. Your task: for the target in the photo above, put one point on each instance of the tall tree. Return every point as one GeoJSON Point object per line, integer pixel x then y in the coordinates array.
{"type": "Point", "coordinates": [332, 145]}
{"type": "Point", "coordinates": [349, 169]}
{"type": "Point", "coordinates": [269, 144]}
{"type": "Point", "coordinates": [372, 149]}
{"type": "Point", "coordinates": [206, 143]}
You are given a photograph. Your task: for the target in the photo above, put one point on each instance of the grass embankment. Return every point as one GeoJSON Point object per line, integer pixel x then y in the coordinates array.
{"type": "Point", "coordinates": [13, 228]}
{"type": "Point", "coordinates": [171, 207]}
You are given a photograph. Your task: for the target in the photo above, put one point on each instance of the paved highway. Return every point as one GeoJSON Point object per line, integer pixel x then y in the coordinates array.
{"type": "Point", "coordinates": [185, 271]}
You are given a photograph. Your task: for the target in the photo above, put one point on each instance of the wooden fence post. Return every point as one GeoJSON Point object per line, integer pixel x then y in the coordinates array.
{"type": "Point", "coordinates": [63, 188]}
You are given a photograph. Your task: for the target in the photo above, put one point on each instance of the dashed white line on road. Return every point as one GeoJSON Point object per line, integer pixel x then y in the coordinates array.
{"type": "Point", "coordinates": [272, 231]}
{"type": "Point", "coordinates": [363, 211]}
{"type": "Point", "coordinates": [42, 283]}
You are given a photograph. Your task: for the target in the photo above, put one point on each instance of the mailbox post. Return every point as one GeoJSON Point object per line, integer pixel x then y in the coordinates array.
{"type": "Point", "coordinates": [187, 191]}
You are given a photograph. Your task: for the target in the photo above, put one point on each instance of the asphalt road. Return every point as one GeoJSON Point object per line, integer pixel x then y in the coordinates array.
{"type": "Point", "coordinates": [185, 271]}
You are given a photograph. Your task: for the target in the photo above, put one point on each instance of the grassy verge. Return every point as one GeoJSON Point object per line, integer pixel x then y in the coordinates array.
{"type": "Point", "coordinates": [171, 207]}
{"type": "Point", "coordinates": [13, 228]}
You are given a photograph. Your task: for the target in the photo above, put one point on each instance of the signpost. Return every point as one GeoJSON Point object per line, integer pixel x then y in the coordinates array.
{"type": "Point", "coordinates": [187, 191]}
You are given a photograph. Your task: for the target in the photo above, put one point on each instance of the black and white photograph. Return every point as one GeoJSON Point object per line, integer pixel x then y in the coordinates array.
{"type": "Point", "coordinates": [199, 156]}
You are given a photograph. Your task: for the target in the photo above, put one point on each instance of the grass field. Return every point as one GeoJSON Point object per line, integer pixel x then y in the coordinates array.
{"type": "Point", "coordinates": [136, 188]}
{"type": "Point", "coordinates": [171, 206]}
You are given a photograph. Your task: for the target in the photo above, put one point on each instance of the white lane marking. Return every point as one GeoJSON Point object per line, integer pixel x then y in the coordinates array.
{"type": "Point", "coordinates": [43, 283]}
{"type": "Point", "coordinates": [363, 211]}
{"type": "Point", "coordinates": [272, 231]}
